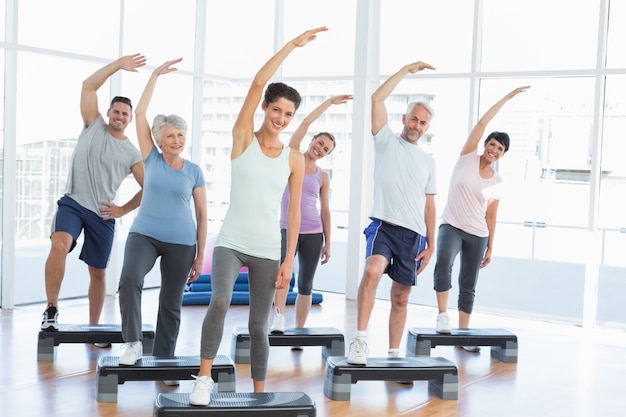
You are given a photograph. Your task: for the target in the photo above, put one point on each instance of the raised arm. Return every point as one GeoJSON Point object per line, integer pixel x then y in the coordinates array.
{"type": "Point", "coordinates": [244, 125]}
{"type": "Point", "coordinates": [298, 135]}
{"type": "Point", "coordinates": [89, 97]}
{"type": "Point", "coordinates": [379, 111]}
{"type": "Point", "coordinates": [479, 129]}
{"type": "Point", "coordinates": [144, 135]}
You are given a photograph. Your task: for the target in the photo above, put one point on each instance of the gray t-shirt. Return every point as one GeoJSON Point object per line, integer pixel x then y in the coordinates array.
{"type": "Point", "coordinates": [100, 162]}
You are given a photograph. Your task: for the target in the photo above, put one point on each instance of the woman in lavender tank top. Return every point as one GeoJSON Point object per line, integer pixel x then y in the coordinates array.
{"type": "Point", "coordinates": [314, 237]}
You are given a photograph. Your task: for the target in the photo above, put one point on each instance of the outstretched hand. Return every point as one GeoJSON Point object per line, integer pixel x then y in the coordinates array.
{"type": "Point", "coordinates": [132, 62]}
{"type": "Point", "coordinates": [308, 36]}
{"type": "Point", "coordinates": [341, 99]}
{"type": "Point", "coordinates": [167, 67]}
{"type": "Point", "coordinates": [419, 66]}
{"type": "Point", "coordinates": [517, 91]}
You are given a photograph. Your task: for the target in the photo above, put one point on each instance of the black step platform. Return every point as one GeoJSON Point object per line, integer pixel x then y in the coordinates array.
{"type": "Point", "coordinates": [441, 374]}
{"type": "Point", "coordinates": [87, 333]}
{"type": "Point", "coordinates": [266, 404]}
{"type": "Point", "coordinates": [109, 373]}
{"type": "Point", "coordinates": [331, 340]}
{"type": "Point", "coordinates": [503, 343]}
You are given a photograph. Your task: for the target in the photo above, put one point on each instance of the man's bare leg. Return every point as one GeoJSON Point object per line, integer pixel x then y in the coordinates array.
{"type": "Point", "coordinates": [397, 316]}
{"type": "Point", "coordinates": [60, 244]}
{"type": "Point", "coordinates": [96, 293]}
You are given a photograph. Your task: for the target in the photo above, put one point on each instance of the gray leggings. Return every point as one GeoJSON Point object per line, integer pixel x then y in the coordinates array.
{"type": "Point", "coordinates": [309, 250]}
{"type": "Point", "coordinates": [261, 280]}
{"type": "Point", "coordinates": [451, 241]}
{"type": "Point", "coordinates": [140, 254]}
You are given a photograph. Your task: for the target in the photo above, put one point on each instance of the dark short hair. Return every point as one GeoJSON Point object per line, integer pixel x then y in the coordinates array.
{"type": "Point", "coordinates": [120, 99]}
{"type": "Point", "coordinates": [274, 91]}
{"type": "Point", "coordinates": [501, 137]}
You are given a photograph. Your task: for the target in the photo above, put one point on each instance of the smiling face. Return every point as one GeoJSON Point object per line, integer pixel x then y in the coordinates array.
{"type": "Point", "coordinates": [415, 123]}
{"type": "Point", "coordinates": [120, 115]}
{"type": "Point", "coordinates": [493, 150]}
{"type": "Point", "coordinates": [172, 140]}
{"type": "Point", "coordinates": [320, 146]}
{"type": "Point", "coordinates": [278, 114]}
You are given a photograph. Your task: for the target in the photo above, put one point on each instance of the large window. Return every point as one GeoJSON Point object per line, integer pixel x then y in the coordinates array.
{"type": "Point", "coordinates": [539, 35]}
{"type": "Point", "coordinates": [561, 225]}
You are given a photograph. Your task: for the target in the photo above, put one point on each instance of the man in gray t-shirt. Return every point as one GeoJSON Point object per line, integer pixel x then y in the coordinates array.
{"type": "Point", "coordinates": [102, 159]}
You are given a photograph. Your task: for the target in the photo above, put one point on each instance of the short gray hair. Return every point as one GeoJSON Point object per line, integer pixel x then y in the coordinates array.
{"type": "Point", "coordinates": [425, 105]}
{"type": "Point", "coordinates": [172, 120]}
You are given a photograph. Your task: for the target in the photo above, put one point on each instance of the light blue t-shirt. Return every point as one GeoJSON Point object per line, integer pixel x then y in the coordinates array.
{"type": "Point", "coordinates": [165, 211]}
{"type": "Point", "coordinates": [403, 175]}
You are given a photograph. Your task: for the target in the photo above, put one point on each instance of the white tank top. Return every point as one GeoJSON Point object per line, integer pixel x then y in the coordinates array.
{"type": "Point", "coordinates": [251, 225]}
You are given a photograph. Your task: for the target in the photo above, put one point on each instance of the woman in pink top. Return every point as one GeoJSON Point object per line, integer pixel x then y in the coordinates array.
{"type": "Point", "coordinates": [314, 237]}
{"type": "Point", "coordinates": [469, 218]}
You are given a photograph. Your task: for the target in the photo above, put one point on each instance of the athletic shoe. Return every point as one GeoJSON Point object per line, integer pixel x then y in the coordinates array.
{"type": "Point", "coordinates": [201, 393]}
{"type": "Point", "coordinates": [297, 348]}
{"type": "Point", "coordinates": [473, 349]}
{"type": "Point", "coordinates": [443, 323]}
{"type": "Point", "coordinates": [49, 319]}
{"type": "Point", "coordinates": [102, 345]}
{"type": "Point", "coordinates": [278, 326]}
{"type": "Point", "coordinates": [133, 352]}
{"type": "Point", "coordinates": [171, 382]}
{"type": "Point", "coordinates": [358, 351]}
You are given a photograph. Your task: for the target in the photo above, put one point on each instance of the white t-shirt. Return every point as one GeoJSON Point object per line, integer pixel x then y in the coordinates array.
{"type": "Point", "coordinates": [468, 196]}
{"type": "Point", "coordinates": [403, 175]}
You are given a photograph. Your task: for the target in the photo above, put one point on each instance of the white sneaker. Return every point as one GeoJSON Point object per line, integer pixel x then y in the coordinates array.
{"type": "Point", "coordinates": [443, 323]}
{"type": "Point", "coordinates": [278, 326]}
{"type": "Point", "coordinates": [102, 345]}
{"type": "Point", "coordinates": [201, 393]}
{"type": "Point", "coordinates": [392, 353]}
{"type": "Point", "coordinates": [133, 352]}
{"type": "Point", "coordinates": [358, 351]}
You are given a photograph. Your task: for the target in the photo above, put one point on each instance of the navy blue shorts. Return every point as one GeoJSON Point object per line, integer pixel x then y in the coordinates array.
{"type": "Point", "coordinates": [73, 218]}
{"type": "Point", "coordinates": [400, 246]}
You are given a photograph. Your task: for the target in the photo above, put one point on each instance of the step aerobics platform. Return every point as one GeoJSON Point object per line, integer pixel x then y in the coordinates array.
{"type": "Point", "coordinates": [109, 373]}
{"type": "Point", "coordinates": [266, 404]}
{"type": "Point", "coordinates": [87, 333]}
{"type": "Point", "coordinates": [503, 343]}
{"type": "Point", "coordinates": [441, 374]}
{"type": "Point", "coordinates": [331, 340]}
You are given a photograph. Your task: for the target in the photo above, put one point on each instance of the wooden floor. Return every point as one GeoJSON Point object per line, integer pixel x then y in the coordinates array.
{"type": "Point", "coordinates": [562, 370]}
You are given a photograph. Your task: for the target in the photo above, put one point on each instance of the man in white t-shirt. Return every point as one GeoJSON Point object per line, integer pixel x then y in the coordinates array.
{"type": "Point", "coordinates": [400, 238]}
